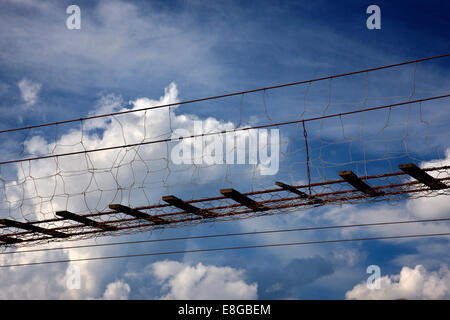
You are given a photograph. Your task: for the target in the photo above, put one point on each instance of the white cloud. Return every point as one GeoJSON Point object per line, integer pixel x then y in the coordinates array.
{"type": "Point", "coordinates": [52, 281]}
{"type": "Point", "coordinates": [118, 290]}
{"type": "Point", "coordinates": [417, 283]}
{"type": "Point", "coordinates": [183, 281]}
{"type": "Point", "coordinates": [29, 91]}
{"type": "Point", "coordinates": [36, 282]}
{"type": "Point", "coordinates": [89, 182]}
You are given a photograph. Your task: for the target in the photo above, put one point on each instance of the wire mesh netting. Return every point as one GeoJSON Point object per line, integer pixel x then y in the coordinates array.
{"type": "Point", "coordinates": [368, 122]}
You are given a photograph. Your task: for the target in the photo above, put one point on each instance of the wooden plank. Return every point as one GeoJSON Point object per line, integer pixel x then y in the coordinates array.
{"type": "Point", "coordinates": [358, 184]}
{"type": "Point", "coordinates": [243, 199]}
{"type": "Point", "coordinates": [422, 176]}
{"type": "Point", "coordinates": [291, 189]}
{"type": "Point", "coordinates": [85, 221]}
{"type": "Point", "coordinates": [180, 204]}
{"type": "Point", "coordinates": [302, 195]}
{"type": "Point", "coordinates": [9, 240]}
{"type": "Point", "coordinates": [33, 228]}
{"type": "Point", "coordinates": [137, 214]}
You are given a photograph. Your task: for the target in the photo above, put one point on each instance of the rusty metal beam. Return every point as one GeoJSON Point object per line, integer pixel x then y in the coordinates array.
{"type": "Point", "coordinates": [183, 205]}
{"type": "Point", "coordinates": [85, 221]}
{"type": "Point", "coordinates": [243, 199]}
{"type": "Point", "coordinates": [137, 214]}
{"type": "Point", "coordinates": [33, 228]}
{"type": "Point", "coordinates": [358, 184]}
{"type": "Point", "coordinates": [423, 177]}
{"type": "Point", "coordinates": [302, 195]}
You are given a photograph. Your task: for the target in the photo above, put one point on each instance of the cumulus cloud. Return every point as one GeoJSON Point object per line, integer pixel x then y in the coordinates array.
{"type": "Point", "coordinates": [118, 290]}
{"type": "Point", "coordinates": [89, 182]}
{"type": "Point", "coordinates": [80, 280]}
{"type": "Point", "coordinates": [29, 91]}
{"type": "Point", "coordinates": [416, 283]}
{"type": "Point", "coordinates": [179, 280]}
{"type": "Point", "coordinates": [39, 282]}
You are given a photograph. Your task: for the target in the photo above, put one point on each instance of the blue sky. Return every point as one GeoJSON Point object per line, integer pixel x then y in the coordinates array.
{"type": "Point", "coordinates": [128, 50]}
